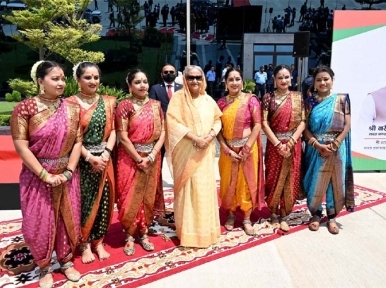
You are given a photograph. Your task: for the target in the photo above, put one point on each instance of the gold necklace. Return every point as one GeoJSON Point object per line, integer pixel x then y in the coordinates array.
{"type": "Point", "coordinates": [279, 98]}
{"type": "Point", "coordinates": [52, 106]}
{"type": "Point", "coordinates": [231, 99]}
{"type": "Point", "coordinates": [139, 102]}
{"type": "Point", "coordinates": [86, 98]}
{"type": "Point", "coordinates": [321, 98]}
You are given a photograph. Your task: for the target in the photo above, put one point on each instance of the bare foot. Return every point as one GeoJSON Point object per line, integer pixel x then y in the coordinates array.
{"type": "Point", "coordinates": [87, 255]}
{"type": "Point", "coordinates": [101, 251]}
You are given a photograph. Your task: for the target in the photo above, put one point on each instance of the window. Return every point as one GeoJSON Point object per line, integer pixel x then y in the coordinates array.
{"type": "Point", "coordinates": [263, 48]}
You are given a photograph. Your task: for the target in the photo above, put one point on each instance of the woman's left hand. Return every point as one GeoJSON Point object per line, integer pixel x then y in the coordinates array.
{"type": "Point", "coordinates": [144, 165]}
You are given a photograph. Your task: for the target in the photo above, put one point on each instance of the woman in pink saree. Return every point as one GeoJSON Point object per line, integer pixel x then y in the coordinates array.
{"type": "Point", "coordinates": [283, 123]}
{"type": "Point", "coordinates": [46, 135]}
{"type": "Point", "coordinates": [140, 127]}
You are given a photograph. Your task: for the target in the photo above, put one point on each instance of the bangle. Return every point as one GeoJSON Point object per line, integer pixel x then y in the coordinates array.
{"type": "Point", "coordinates": [88, 156]}
{"type": "Point", "coordinates": [69, 170]}
{"type": "Point", "coordinates": [277, 144]}
{"type": "Point", "coordinates": [332, 147]}
{"type": "Point", "coordinates": [336, 139]}
{"type": "Point", "coordinates": [67, 175]}
{"type": "Point", "coordinates": [108, 150]}
{"type": "Point", "coordinates": [212, 133]}
{"type": "Point", "coordinates": [151, 157]}
{"type": "Point", "coordinates": [313, 143]}
{"type": "Point", "coordinates": [292, 137]}
{"type": "Point", "coordinates": [42, 174]}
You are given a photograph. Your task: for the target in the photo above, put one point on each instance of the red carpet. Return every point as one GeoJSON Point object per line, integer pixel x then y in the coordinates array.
{"type": "Point", "coordinates": [144, 267]}
{"type": "Point", "coordinates": [10, 162]}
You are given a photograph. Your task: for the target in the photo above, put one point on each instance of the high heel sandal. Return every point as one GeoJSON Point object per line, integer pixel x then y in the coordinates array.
{"type": "Point", "coordinates": [129, 250]}
{"type": "Point", "coordinates": [147, 246]}
{"type": "Point", "coordinates": [230, 224]}
{"type": "Point", "coordinates": [48, 283]}
{"type": "Point", "coordinates": [251, 231]}
{"type": "Point", "coordinates": [74, 276]}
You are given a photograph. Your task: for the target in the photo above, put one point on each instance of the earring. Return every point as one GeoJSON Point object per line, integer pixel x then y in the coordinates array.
{"type": "Point", "coordinates": [79, 89]}
{"type": "Point", "coordinates": [289, 85]}
{"type": "Point", "coordinates": [226, 88]}
{"type": "Point", "coordinates": [41, 88]}
{"type": "Point", "coordinates": [315, 90]}
{"type": "Point", "coordinates": [274, 85]}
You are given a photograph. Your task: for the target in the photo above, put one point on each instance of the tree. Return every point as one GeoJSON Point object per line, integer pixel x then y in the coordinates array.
{"type": "Point", "coordinates": [56, 26]}
{"type": "Point", "coordinates": [370, 2]}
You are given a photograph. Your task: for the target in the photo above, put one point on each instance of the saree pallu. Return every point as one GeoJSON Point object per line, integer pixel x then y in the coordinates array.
{"type": "Point", "coordinates": [196, 211]}
{"type": "Point", "coordinates": [97, 189]}
{"type": "Point", "coordinates": [330, 177]}
{"type": "Point", "coordinates": [136, 189]}
{"type": "Point", "coordinates": [283, 175]}
{"type": "Point", "coordinates": [57, 209]}
{"type": "Point", "coordinates": [241, 183]}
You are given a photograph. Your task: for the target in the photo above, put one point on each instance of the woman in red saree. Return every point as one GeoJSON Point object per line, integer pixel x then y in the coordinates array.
{"type": "Point", "coordinates": [96, 168]}
{"type": "Point", "coordinates": [240, 163]}
{"type": "Point", "coordinates": [283, 124]}
{"type": "Point", "coordinates": [140, 126]}
{"type": "Point", "coordinates": [193, 121]}
{"type": "Point", "coordinates": [46, 135]}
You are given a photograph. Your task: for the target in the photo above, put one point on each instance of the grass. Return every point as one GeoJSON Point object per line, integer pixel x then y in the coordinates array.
{"type": "Point", "coordinates": [6, 108]}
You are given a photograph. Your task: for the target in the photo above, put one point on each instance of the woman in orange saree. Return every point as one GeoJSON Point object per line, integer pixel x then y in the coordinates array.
{"type": "Point", "coordinates": [46, 134]}
{"type": "Point", "coordinates": [193, 121]}
{"type": "Point", "coordinates": [283, 124]}
{"type": "Point", "coordinates": [140, 126]}
{"type": "Point", "coordinates": [96, 168]}
{"type": "Point", "coordinates": [240, 163]}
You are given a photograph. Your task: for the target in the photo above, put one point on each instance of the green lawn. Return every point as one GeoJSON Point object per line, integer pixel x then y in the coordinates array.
{"type": "Point", "coordinates": [6, 108]}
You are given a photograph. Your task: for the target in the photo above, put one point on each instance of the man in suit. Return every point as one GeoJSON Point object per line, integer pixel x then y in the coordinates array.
{"type": "Point", "coordinates": [163, 92]}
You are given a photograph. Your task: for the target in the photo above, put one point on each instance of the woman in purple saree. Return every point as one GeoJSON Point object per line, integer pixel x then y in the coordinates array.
{"type": "Point", "coordinates": [46, 135]}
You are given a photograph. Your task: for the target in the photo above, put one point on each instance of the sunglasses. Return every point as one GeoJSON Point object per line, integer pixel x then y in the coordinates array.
{"type": "Point", "coordinates": [168, 72]}
{"type": "Point", "coordinates": [192, 77]}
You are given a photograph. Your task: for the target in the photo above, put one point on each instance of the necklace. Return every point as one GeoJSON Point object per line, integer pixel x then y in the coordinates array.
{"type": "Point", "coordinates": [321, 98]}
{"type": "Point", "coordinates": [52, 106]}
{"type": "Point", "coordinates": [139, 102]}
{"type": "Point", "coordinates": [232, 98]}
{"type": "Point", "coordinates": [48, 99]}
{"type": "Point", "coordinates": [86, 98]}
{"type": "Point", "coordinates": [279, 98]}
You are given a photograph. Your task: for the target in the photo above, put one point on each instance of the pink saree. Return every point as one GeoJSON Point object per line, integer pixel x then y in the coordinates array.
{"type": "Point", "coordinates": [51, 138]}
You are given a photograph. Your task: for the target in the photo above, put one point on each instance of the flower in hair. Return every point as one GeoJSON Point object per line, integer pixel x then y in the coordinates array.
{"type": "Point", "coordinates": [76, 68]}
{"type": "Point", "coordinates": [33, 71]}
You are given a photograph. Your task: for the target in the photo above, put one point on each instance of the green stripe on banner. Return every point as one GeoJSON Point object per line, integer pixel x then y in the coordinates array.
{"type": "Point", "coordinates": [346, 33]}
{"type": "Point", "coordinates": [362, 164]}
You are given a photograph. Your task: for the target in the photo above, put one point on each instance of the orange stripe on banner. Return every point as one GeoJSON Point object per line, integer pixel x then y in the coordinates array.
{"type": "Point", "coordinates": [363, 156]}
{"type": "Point", "coordinates": [353, 19]}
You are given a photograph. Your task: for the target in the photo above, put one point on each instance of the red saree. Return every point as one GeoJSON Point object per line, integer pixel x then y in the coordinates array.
{"type": "Point", "coordinates": [136, 189]}
{"type": "Point", "coordinates": [283, 175]}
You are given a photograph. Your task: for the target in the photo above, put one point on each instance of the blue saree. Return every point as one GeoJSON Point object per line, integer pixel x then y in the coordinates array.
{"type": "Point", "coordinates": [330, 178]}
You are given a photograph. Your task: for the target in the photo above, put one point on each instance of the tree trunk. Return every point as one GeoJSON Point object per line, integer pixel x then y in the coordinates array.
{"type": "Point", "coordinates": [41, 53]}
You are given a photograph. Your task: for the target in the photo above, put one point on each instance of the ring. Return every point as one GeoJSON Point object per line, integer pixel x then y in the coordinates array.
{"type": "Point", "coordinates": [48, 185]}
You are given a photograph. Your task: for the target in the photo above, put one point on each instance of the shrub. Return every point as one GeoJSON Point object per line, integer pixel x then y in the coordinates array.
{"type": "Point", "coordinates": [5, 120]}
{"type": "Point", "coordinates": [8, 97]}
{"type": "Point", "coordinates": [16, 96]}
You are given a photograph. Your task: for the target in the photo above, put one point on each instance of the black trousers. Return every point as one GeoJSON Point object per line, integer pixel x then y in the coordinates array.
{"type": "Point", "coordinates": [260, 88]}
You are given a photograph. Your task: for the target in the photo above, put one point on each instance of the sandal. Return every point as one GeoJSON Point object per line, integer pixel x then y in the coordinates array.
{"type": "Point", "coordinates": [148, 246]}
{"type": "Point", "coordinates": [48, 283]}
{"type": "Point", "coordinates": [332, 227]}
{"type": "Point", "coordinates": [74, 276]}
{"type": "Point", "coordinates": [314, 223]}
{"type": "Point", "coordinates": [250, 231]}
{"type": "Point", "coordinates": [230, 224]}
{"type": "Point", "coordinates": [129, 250]}
{"type": "Point", "coordinates": [284, 226]}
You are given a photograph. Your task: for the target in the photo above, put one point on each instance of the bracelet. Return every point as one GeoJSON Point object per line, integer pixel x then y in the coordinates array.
{"type": "Point", "coordinates": [332, 147]}
{"type": "Point", "coordinates": [151, 158]}
{"type": "Point", "coordinates": [313, 143]}
{"type": "Point", "coordinates": [336, 139]}
{"type": "Point", "coordinates": [277, 144]}
{"type": "Point", "coordinates": [108, 150]}
{"type": "Point", "coordinates": [67, 175]}
{"type": "Point", "coordinates": [310, 140]}
{"type": "Point", "coordinates": [212, 133]}
{"type": "Point", "coordinates": [69, 170]}
{"type": "Point", "coordinates": [43, 174]}
{"type": "Point", "coordinates": [292, 137]}
{"type": "Point", "coordinates": [88, 156]}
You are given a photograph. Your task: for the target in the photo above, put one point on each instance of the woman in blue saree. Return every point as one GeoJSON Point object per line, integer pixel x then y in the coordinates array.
{"type": "Point", "coordinates": [328, 165]}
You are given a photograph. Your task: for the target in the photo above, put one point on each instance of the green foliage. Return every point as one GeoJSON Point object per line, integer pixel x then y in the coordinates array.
{"type": "Point", "coordinates": [56, 26]}
{"type": "Point", "coordinates": [8, 97]}
{"type": "Point", "coordinates": [249, 86]}
{"type": "Point", "coordinates": [15, 96]}
{"type": "Point", "coordinates": [5, 120]}
{"type": "Point", "coordinates": [71, 87]}
{"type": "Point", "coordinates": [26, 88]}
{"type": "Point", "coordinates": [111, 91]}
